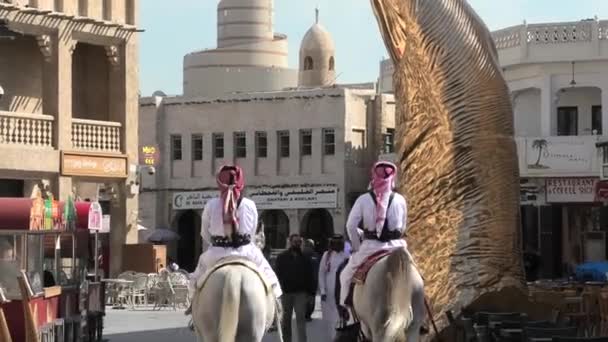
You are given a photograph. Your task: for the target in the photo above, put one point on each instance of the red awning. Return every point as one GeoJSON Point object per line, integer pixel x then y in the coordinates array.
{"type": "Point", "coordinates": [15, 213]}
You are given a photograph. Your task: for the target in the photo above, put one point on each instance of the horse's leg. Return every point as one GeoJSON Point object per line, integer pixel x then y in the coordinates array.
{"type": "Point", "coordinates": [418, 307]}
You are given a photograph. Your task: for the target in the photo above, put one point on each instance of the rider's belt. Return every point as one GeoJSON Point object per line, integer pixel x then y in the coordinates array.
{"type": "Point", "coordinates": [385, 236]}
{"type": "Point", "coordinates": [236, 241]}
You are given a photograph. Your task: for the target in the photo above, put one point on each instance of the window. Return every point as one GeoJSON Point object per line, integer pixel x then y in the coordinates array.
{"type": "Point", "coordinates": [567, 121]}
{"type": "Point", "coordinates": [106, 10]}
{"type": "Point", "coordinates": [197, 147]}
{"type": "Point", "coordinates": [283, 144]}
{"type": "Point", "coordinates": [329, 142]}
{"type": "Point", "coordinates": [596, 119]}
{"type": "Point", "coordinates": [306, 142]}
{"type": "Point", "coordinates": [176, 147]}
{"type": "Point", "coordinates": [308, 63]}
{"type": "Point", "coordinates": [130, 12]}
{"type": "Point", "coordinates": [261, 144]}
{"type": "Point", "coordinates": [389, 141]}
{"type": "Point", "coordinates": [83, 9]}
{"type": "Point", "coordinates": [218, 145]}
{"type": "Point", "coordinates": [240, 145]}
{"type": "Point", "coordinates": [332, 63]}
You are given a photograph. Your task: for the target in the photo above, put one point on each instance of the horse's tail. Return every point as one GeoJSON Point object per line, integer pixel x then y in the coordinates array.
{"type": "Point", "coordinates": [231, 300]}
{"type": "Point", "coordinates": [399, 297]}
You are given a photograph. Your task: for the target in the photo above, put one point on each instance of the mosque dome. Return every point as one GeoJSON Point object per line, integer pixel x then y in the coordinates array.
{"type": "Point", "coordinates": [317, 57]}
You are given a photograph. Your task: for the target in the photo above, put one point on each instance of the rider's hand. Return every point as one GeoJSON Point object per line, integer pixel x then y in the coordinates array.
{"type": "Point", "coordinates": [323, 298]}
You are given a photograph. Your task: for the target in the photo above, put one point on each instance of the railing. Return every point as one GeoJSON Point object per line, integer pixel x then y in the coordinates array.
{"type": "Point", "coordinates": [34, 130]}
{"type": "Point", "coordinates": [551, 33]}
{"type": "Point", "coordinates": [93, 135]}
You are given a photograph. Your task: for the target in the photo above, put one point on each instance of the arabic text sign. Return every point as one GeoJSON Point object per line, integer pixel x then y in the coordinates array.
{"type": "Point", "coordinates": [79, 164]}
{"type": "Point", "coordinates": [571, 190]}
{"type": "Point", "coordinates": [313, 197]}
{"type": "Point", "coordinates": [192, 199]}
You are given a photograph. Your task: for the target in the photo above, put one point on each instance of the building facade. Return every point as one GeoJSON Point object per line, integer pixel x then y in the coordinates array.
{"type": "Point", "coordinates": [558, 78]}
{"type": "Point", "coordinates": [305, 149]}
{"type": "Point", "coordinates": [69, 113]}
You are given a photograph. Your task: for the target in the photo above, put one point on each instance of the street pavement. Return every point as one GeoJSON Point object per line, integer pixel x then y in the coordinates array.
{"type": "Point", "coordinates": [167, 325]}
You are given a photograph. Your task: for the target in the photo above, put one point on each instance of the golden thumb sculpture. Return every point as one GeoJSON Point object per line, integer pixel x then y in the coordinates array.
{"type": "Point", "coordinates": [457, 156]}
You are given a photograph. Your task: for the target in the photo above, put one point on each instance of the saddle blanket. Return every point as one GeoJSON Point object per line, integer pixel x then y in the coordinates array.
{"type": "Point", "coordinates": [234, 260]}
{"type": "Point", "coordinates": [362, 271]}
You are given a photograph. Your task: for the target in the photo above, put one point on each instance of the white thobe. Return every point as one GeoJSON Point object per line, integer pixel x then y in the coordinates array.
{"type": "Point", "coordinates": [213, 225]}
{"type": "Point", "coordinates": [365, 209]}
{"type": "Point", "coordinates": [330, 262]}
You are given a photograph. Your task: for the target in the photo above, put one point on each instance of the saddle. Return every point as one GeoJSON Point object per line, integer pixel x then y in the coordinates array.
{"type": "Point", "coordinates": [361, 273]}
{"type": "Point", "coordinates": [232, 261]}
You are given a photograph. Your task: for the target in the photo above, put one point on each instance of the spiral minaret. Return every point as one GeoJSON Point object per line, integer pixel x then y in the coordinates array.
{"type": "Point", "coordinates": [249, 56]}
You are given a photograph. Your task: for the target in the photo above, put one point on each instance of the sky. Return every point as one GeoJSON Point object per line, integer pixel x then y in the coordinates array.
{"type": "Point", "coordinates": [172, 31]}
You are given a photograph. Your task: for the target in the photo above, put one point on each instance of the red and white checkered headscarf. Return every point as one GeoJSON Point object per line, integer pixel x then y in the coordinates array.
{"type": "Point", "coordinates": [231, 181]}
{"type": "Point", "coordinates": [382, 184]}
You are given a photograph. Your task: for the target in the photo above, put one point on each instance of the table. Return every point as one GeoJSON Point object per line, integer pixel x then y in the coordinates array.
{"type": "Point", "coordinates": [119, 283]}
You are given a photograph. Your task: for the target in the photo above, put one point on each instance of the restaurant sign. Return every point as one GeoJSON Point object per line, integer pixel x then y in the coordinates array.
{"type": "Point", "coordinates": [267, 198]}
{"type": "Point", "coordinates": [571, 190]}
{"type": "Point", "coordinates": [93, 165]}
{"type": "Point", "coordinates": [192, 199]}
{"type": "Point", "coordinates": [559, 154]}
{"type": "Point", "coordinates": [296, 197]}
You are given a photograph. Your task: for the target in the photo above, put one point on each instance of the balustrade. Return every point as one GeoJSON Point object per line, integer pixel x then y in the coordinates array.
{"type": "Point", "coordinates": [34, 130]}
{"type": "Point", "coordinates": [93, 135]}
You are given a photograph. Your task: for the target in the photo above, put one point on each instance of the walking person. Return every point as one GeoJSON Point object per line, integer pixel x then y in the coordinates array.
{"type": "Point", "coordinates": [296, 276]}
{"type": "Point", "coordinates": [309, 251]}
{"type": "Point", "coordinates": [330, 262]}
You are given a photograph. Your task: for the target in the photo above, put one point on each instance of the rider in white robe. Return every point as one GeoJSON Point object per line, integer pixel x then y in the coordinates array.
{"type": "Point", "coordinates": [365, 209]}
{"type": "Point", "coordinates": [214, 230]}
{"type": "Point", "coordinates": [328, 267]}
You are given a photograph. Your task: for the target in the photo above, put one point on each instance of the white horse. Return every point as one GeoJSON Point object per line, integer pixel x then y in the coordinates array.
{"type": "Point", "coordinates": [390, 304]}
{"type": "Point", "coordinates": [234, 304]}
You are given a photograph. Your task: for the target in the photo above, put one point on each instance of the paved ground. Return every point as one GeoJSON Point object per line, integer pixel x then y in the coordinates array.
{"type": "Point", "coordinates": [167, 325]}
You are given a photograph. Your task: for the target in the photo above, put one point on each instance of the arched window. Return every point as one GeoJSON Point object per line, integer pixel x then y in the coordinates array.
{"type": "Point", "coordinates": [308, 63]}
{"type": "Point", "coordinates": [332, 63]}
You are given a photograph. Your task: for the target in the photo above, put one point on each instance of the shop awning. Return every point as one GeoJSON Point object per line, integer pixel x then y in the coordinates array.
{"type": "Point", "coordinates": [15, 213]}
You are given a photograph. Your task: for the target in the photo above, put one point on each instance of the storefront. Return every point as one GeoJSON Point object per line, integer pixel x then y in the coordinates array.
{"type": "Point", "coordinates": [565, 223]}
{"type": "Point", "coordinates": [310, 210]}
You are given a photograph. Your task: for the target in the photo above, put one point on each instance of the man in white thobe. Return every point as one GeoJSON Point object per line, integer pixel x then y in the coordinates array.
{"type": "Point", "coordinates": [229, 225]}
{"type": "Point", "coordinates": [383, 224]}
{"type": "Point", "coordinates": [328, 267]}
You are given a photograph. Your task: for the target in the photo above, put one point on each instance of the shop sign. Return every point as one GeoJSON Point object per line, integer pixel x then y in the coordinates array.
{"type": "Point", "coordinates": [532, 192]}
{"type": "Point", "coordinates": [93, 165]}
{"type": "Point", "coordinates": [559, 154]}
{"type": "Point", "coordinates": [571, 190]}
{"type": "Point", "coordinates": [95, 217]}
{"type": "Point", "coordinates": [295, 197]}
{"type": "Point", "coordinates": [192, 199]}
{"type": "Point", "coordinates": [149, 155]}
{"type": "Point", "coordinates": [105, 224]}
{"type": "Point", "coordinates": [601, 191]}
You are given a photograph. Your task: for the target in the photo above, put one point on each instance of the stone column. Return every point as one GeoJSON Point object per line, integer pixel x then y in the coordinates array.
{"type": "Point", "coordinates": [124, 108]}
{"type": "Point", "coordinates": [546, 106]}
{"type": "Point", "coordinates": [604, 90]}
{"type": "Point", "coordinates": [57, 99]}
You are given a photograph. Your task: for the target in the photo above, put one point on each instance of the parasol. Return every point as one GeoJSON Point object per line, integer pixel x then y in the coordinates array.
{"type": "Point", "coordinates": [162, 235]}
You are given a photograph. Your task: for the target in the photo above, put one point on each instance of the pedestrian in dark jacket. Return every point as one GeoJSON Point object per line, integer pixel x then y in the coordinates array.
{"type": "Point", "coordinates": [309, 251]}
{"type": "Point", "coordinates": [296, 275]}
